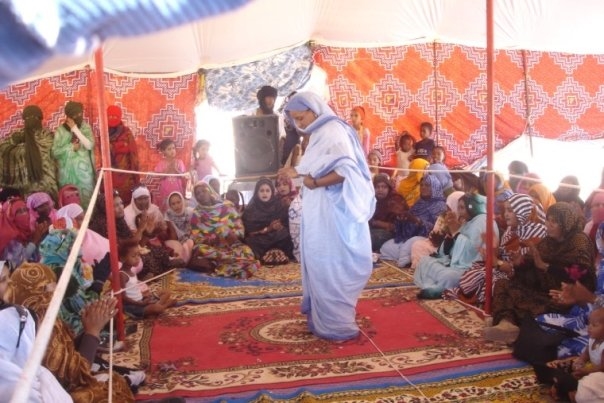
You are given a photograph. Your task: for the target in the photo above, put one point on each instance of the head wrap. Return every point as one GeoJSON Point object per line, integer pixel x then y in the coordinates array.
{"type": "Point", "coordinates": [382, 178]}
{"type": "Point", "coordinates": [360, 110]}
{"type": "Point", "coordinates": [215, 197]}
{"type": "Point", "coordinates": [293, 192]}
{"type": "Point", "coordinates": [565, 216]}
{"type": "Point", "coordinates": [72, 108]}
{"type": "Point", "coordinates": [475, 204]}
{"type": "Point", "coordinates": [114, 115]}
{"type": "Point", "coordinates": [70, 211]}
{"type": "Point", "coordinates": [181, 219]}
{"type": "Point", "coordinates": [524, 184]}
{"type": "Point", "coordinates": [525, 209]}
{"type": "Point", "coordinates": [303, 101]}
{"type": "Point", "coordinates": [266, 91]}
{"type": "Point", "coordinates": [259, 213]}
{"type": "Point", "coordinates": [65, 199]}
{"type": "Point", "coordinates": [37, 199]}
{"type": "Point", "coordinates": [32, 111]}
{"type": "Point", "coordinates": [377, 153]}
{"type": "Point", "coordinates": [11, 229]}
{"type": "Point", "coordinates": [409, 185]}
{"type": "Point", "coordinates": [28, 286]}
{"type": "Point", "coordinates": [32, 119]}
{"type": "Point", "coordinates": [543, 195]}
{"type": "Point", "coordinates": [453, 200]}
{"type": "Point", "coordinates": [140, 192]}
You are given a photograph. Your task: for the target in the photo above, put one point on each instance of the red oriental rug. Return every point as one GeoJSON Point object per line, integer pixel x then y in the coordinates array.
{"type": "Point", "coordinates": [251, 349]}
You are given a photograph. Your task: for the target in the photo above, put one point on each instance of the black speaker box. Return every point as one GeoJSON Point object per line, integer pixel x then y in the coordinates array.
{"type": "Point", "coordinates": [256, 145]}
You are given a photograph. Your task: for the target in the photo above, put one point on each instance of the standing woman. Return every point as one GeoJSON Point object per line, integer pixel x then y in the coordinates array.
{"type": "Point", "coordinates": [73, 148]}
{"type": "Point", "coordinates": [338, 202]}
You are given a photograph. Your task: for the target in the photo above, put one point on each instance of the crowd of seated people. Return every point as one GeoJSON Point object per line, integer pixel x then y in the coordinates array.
{"type": "Point", "coordinates": [426, 218]}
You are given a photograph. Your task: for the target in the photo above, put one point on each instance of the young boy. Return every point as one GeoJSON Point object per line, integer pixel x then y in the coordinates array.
{"type": "Point", "coordinates": [136, 302]}
{"type": "Point", "coordinates": [426, 142]}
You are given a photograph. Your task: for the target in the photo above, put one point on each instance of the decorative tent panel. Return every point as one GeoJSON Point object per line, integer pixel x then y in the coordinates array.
{"type": "Point", "coordinates": [445, 84]}
{"type": "Point", "coordinates": [154, 108]}
{"type": "Point", "coordinates": [234, 88]}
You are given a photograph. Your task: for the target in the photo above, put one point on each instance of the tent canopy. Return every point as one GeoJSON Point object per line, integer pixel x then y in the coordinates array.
{"type": "Point", "coordinates": [263, 27]}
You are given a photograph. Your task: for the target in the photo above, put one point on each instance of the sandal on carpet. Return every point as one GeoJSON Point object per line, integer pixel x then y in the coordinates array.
{"type": "Point", "coordinates": [275, 257]}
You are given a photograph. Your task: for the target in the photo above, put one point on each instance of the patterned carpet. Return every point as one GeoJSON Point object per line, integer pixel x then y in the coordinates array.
{"type": "Point", "coordinates": [269, 282]}
{"type": "Point", "coordinates": [260, 350]}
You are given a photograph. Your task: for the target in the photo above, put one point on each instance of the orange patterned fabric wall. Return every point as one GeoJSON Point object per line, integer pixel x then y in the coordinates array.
{"type": "Point", "coordinates": [154, 108]}
{"type": "Point", "coordinates": [445, 84]}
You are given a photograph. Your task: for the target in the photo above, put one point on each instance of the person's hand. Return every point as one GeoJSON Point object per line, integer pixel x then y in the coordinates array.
{"type": "Point", "coordinates": [537, 260]}
{"type": "Point", "coordinates": [506, 267]}
{"type": "Point", "coordinates": [276, 225]}
{"type": "Point", "coordinates": [97, 314]}
{"type": "Point", "coordinates": [451, 222]}
{"type": "Point", "coordinates": [39, 232]}
{"type": "Point", "coordinates": [70, 122]}
{"type": "Point", "coordinates": [571, 294]}
{"type": "Point", "coordinates": [309, 182]}
{"type": "Point", "coordinates": [232, 238]}
{"type": "Point", "coordinates": [289, 172]}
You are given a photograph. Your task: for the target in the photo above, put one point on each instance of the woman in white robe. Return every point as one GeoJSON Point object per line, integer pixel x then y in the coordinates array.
{"type": "Point", "coordinates": [339, 200]}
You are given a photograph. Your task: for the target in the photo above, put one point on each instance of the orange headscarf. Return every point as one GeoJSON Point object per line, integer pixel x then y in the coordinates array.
{"type": "Point", "coordinates": [409, 186]}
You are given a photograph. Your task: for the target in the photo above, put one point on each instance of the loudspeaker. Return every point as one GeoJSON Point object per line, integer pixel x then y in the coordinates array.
{"type": "Point", "coordinates": [256, 145]}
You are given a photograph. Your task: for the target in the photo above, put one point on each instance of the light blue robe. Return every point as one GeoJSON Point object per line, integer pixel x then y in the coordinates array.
{"type": "Point", "coordinates": [336, 256]}
{"type": "Point", "coordinates": [440, 273]}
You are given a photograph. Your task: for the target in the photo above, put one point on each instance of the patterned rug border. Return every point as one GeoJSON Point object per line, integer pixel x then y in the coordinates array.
{"type": "Point", "coordinates": [269, 282]}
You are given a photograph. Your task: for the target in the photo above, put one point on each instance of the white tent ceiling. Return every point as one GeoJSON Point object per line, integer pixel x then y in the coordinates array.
{"type": "Point", "coordinates": [264, 27]}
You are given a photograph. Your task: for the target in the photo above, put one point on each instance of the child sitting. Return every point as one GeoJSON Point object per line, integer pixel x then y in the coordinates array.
{"type": "Point", "coordinates": [567, 379]}
{"type": "Point", "coordinates": [136, 302]}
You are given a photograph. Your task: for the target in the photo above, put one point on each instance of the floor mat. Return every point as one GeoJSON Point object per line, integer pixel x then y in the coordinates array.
{"type": "Point", "coordinates": [241, 350]}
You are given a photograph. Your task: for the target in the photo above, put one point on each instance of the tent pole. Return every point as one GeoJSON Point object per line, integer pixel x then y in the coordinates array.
{"type": "Point", "coordinates": [490, 151]}
{"type": "Point", "coordinates": [108, 186]}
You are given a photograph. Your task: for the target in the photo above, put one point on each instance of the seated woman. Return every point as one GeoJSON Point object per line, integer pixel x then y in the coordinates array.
{"type": "Point", "coordinates": [417, 222]}
{"type": "Point", "coordinates": [32, 285]}
{"type": "Point", "coordinates": [286, 190]}
{"type": "Point", "coordinates": [525, 221]}
{"type": "Point", "coordinates": [54, 251]}
{"type": "Point", "coordinates": [235, 197]}
{"type": "Point", "coordinates": [380, 225]}
{"type": "Point", "coordinates": [69, 194]}
{"type": "Point", "coordinates": [18, 243]}
{"type": "Point", "coordinates": [435, 274]}
{"type": "Point", "coordinates": [161, 239]}
{"type": "Point", "coordinates": [41, 209]}
{"type": "Point", "coordinates": [179, 214]}
{"type": "Point", "coordinates": [566, 254]}
{"type": "Point", "coordinates": [266, 225]}
{"type": "Point", "coordinates": [153, 262]}
{"type": "Point", "coordinates": [408, 187]}
{"type": "Point", "coordinates": [216, 230]}
{"type": "Point", "coordinates": [443, 234]}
